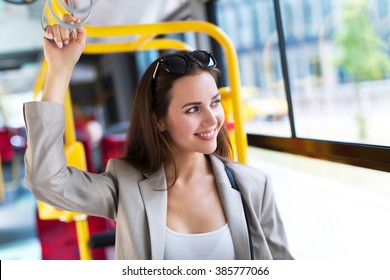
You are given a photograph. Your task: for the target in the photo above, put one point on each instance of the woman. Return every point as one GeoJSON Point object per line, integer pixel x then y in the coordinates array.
{"type": "Point", "coordinates": [170, 194]}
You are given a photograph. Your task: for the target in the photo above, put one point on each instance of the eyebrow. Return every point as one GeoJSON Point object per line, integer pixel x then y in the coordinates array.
{"type": "Point", "coordinates": [198, 103]}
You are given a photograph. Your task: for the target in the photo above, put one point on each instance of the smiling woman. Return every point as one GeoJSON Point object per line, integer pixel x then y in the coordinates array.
{"type": "Point", "coordinates": [172, 177]}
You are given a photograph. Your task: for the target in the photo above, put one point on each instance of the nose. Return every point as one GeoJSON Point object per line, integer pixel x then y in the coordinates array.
{"type": "Point", "coordinates": [210, 117]}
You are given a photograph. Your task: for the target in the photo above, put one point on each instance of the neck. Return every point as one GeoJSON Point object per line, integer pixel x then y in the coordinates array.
{"type": "Point", "coordinates": [189, 168]}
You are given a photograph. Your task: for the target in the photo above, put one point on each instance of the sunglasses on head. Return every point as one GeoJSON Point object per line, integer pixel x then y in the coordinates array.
{"type": "Point", "coordinates": [181, 63]}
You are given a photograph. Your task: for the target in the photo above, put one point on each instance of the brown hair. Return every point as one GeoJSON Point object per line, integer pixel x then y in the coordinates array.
{"type": "Point", "coordinates": [147, 147]}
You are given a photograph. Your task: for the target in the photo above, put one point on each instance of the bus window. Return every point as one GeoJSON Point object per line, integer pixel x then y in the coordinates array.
{"type": "Point", "coordinates": [338, 87]}
{"type": "Point", "coordinates": [251, 25]}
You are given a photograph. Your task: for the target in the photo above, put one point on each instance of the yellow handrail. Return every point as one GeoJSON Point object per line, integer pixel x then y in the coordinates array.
{"type": "Point", "coordinates": [143, 39]}
{"type": "Point", "coordinates": [114, 47]}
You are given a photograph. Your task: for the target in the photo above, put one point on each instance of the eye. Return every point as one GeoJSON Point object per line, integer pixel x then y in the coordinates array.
{"type": "Point", "coordinates": [216, 103]}
{"type": "Point", "coordinates": [192, 110]}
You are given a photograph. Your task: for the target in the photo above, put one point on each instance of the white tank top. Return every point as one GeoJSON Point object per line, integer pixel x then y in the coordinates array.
{"type": "Point", "coordinates": [214, 245]}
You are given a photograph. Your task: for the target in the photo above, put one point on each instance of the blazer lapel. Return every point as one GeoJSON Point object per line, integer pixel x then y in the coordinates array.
{"type": "Point", "coordinates": [154, 195]}
{"type": "Point", "coordinates": [232, 204]}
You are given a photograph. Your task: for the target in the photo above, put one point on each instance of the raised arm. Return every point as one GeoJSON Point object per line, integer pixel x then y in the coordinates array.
{"type": "Point", "coordinates": [61, 54]}
{"type": "Point", "coordinates": [47, 174]}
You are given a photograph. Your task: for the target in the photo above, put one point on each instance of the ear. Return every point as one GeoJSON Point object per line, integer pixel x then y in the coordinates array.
{"type": "Point", "coordinates": [160, 124]}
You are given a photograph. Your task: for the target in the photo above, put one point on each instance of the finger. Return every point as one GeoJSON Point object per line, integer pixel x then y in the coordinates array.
{"type": "Point", "coordinates": [57, 35]}
{"type": "Point", "coordinates": [47, 43]}
{"type": "Point", "coordinates": [67, 18]}
{"type": "Point", "coordinates": [81, 34]}
{"type": "Point", "coordinates": [48, 33]}
{"type": "Point", "coordinates": [64, 35]}
{"type": "Point", "coordinates": [73, 33]}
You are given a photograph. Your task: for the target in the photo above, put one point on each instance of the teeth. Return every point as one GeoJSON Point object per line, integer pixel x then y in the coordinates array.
{"type": "Point", "coordinates": [208, 134]}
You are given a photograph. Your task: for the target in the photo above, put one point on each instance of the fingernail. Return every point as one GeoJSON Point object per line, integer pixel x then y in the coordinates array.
{"type": "Point", "coordinates": [66, 42]}
{"type": "Point", "coordinates": [59, 44]}
{"type": "Point", "coordinates": [48, 35]}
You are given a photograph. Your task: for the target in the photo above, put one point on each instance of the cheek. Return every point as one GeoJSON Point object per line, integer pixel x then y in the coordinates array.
{"type": "Point", "coordinates": [180, 126]}
{"type": "Point", "coordinates": [220, 115]}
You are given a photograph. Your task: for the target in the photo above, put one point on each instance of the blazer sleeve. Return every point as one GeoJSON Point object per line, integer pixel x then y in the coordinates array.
{"type": "Point", "coordinates": [47, 174]}
{"type": "Point", "coordinates": [272, 224]}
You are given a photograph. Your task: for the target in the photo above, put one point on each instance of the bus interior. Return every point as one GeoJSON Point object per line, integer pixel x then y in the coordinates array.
{"type": "Point", "coordinates": [305, 100]}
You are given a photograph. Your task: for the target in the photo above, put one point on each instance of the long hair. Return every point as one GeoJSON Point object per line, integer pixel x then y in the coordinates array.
{"type": "Point", "coordinates": [146, 146]}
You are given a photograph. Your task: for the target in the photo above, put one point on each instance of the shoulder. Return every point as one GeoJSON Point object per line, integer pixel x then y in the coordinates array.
{"type": "Point", "coordinates": [255, 185]}
{"type": "Point", "coordinates": [251, 180]}
{"type": "Point", "coordinates": [247, 170]}
{"type": "Point", "coordinates": [245, 175]}
{"type": "Point", "coordinates": [118, 165]}
{"type": "Point", "coordinates": [125, 172]}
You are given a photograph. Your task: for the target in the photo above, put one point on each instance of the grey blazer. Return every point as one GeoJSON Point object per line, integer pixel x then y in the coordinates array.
{"type": "Point", "coordinates": [137, 201]}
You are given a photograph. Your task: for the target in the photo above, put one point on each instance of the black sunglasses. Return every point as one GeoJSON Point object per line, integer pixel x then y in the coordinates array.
{"type": "Point", "coordinates": [181, 63]}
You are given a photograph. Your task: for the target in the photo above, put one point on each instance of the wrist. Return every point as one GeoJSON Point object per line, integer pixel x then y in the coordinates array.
{"type": "Point", "coordinates": [60, 70]}
{"type": "Point", "coordinates": [56, 84]}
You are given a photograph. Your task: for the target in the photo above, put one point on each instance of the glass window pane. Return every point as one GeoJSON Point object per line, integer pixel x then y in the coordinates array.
{"type": "Point", "coordinates": [339, 69]}
{"type": "Point", "coordinates": [251, 26]}
{"type": "Point", "coordinates": [20, 27]}
{"type": "Point", "coordinates": [325, 204]}
{"type": "Point", "coordinates": [15, 88]}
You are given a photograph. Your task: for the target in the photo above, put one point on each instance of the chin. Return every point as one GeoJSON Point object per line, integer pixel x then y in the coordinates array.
{"type": "Point", "coordinates": [209, 150]}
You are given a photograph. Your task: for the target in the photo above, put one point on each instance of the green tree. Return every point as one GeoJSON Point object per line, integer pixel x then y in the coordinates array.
{"type": "Point", "coordinates": [360, 52]}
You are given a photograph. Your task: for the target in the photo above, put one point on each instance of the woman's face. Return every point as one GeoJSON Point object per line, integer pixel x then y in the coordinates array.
{"type": "Point", "coordinates": [195, 115]}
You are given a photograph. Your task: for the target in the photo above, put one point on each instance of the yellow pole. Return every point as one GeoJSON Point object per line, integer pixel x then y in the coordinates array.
{"type": "Point", "coordinates": [83, 237]}
{"type": "Point", "coordinates": [40, 79]}
{"type": "Point", "coordinates": [70, 133]}
{"type": "Point", "coordinates": [227, 103]}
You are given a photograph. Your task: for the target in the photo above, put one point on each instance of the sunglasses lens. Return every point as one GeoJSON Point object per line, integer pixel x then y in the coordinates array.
{"type": "Point", "coordinates": [176, 64]}
{"type": "Point", "coordinates": [205, 58]}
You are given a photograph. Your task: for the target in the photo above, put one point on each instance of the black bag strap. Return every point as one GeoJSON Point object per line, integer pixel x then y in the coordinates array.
{"type": "Point", "coordinates": [235, 186]}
